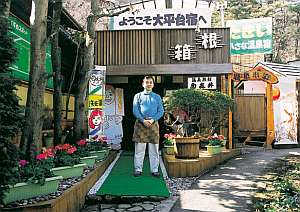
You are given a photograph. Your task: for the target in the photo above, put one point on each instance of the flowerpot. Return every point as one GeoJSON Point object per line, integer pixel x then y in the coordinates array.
{"type": "Point", "coordinates": [101, 154]}
{"type": "Point", "coordinates": [187, 147]}
{"type": "Point", "coordinates": [169, 150]}
{"type": "Point", "coordinates": [28, 190]}
{"type": "Point", "coordinates": [224, 145]}
{"type": "Point", "coordinates": [89, 161]}
{"type": "Point", "coordinates": [212, 150]}
{"type": "Point", "coordinates": [69, 171]}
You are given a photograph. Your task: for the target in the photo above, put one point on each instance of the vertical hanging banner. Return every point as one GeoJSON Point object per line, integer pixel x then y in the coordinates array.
{"type": "Point", "coordinates": [114, 110]}
{"type": "Point", "coordinates": [95, 101]}
{"type": "Point", "coordinates": [285, 111]}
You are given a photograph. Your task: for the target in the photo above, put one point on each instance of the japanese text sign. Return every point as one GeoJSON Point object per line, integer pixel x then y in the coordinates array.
{"type": "Point", "coordinates": [162, 19]}
{"type": "Point", "coordinates": [257, 73]}
{"type": "Point", "coordinates": [95, 101]}
{"type": "Point", "coordinates": [209, 83]}
{"type": "Point", "coordinates": [249, 36]}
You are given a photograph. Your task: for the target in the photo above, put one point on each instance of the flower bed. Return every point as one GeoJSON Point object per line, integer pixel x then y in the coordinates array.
{"type": "Point", "coordinates": [71, 192]}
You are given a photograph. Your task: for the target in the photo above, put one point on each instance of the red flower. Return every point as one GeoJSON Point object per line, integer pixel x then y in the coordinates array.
{"type": "Point", "coordinates": [49, 152]}
{"type": "Point", "coordinates": [82, 142]}
{"type": "Point", "coordinates": [66, 146]}
{"type": "Point", "coordinates": [41, 156]}
{"type": "Point", "coordinates": [23, 162]}
{"type": "Point", "coordinates": [71, 150]}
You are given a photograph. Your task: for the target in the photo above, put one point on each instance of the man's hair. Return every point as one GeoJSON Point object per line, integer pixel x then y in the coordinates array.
{"type": "Point", "coordinates": [147, 78]}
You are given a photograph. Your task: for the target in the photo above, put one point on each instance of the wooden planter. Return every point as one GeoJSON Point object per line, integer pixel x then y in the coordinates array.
{"type": "Point", "coordinates": [187, 147]}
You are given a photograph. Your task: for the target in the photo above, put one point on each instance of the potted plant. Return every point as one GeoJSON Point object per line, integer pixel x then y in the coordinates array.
{"type": "Point", "coordinates": [198, 114]}
{"type": "Point", "coordinates": [33, 179]}
{"type": "Point", "coordinates": [216, 143]}
{"type": "Point", "coordinates": [169, 144]}
{"type": "Point", "coordinates": [98, 147]}
{"type": "Point", "coordinates": [84, 154]}
{"type": "Point", "coordinates": [66, 163]}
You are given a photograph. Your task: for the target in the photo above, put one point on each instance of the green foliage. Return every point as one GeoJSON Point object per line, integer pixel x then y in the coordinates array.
{"type": "Point", "coordinates": [65, 155]}
{"type": "Point", "coordinates": [284, 17]}
{"type": "Point", "coordinates": [283, 194]}
{"type": "Point", "coordinates": [36, 171]}
{"type": "Point", "coordinates": [10, 111]}
{"type": "Point", "coordinates": [209, 109]}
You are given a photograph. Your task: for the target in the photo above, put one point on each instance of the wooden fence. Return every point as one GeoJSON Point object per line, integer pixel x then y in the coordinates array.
{"type": "Point", "coordinates": [250, 115]}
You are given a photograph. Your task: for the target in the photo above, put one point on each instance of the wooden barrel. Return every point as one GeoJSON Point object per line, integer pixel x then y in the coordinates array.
{"type": "Point", "coordinates": [187, 147]}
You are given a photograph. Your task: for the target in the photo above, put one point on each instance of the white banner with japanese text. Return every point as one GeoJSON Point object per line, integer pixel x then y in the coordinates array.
{"type": "Point", "coordinates": [285, 111]}
{"type": "Point", "coordinates": [162, 19]}
{"type": "Point", "coordinates": [209, 83]}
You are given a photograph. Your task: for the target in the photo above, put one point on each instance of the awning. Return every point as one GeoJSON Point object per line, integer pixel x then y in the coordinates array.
{"type": "Point", "coordinates": [170, 69]}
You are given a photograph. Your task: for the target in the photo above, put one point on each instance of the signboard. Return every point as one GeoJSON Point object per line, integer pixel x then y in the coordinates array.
{"type": "Point", "coordinates": [202, 41]}
{"type": "Point", "coordinates": [20, 33]}
{"type": "Point", "coordinates": [209, 83]}
{"type": "Point", "coordinates": [250, 36]}
{"type": "Point", "coordinates": [257, 73]}
{"type": "Point", "coordinates": [96, 94]}
{"type": "Point", "coordinates": [162, 19]}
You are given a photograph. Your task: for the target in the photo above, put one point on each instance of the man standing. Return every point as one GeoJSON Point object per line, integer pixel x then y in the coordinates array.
{"type": "Point", "coordinates": [147, 108]}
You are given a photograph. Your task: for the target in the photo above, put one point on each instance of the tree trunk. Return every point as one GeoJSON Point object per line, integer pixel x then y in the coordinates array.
{"type": "Point", "coordinates": [4, 8]}
{"type": "Point", "coordinates": [88, 58]}
{"type": "Point", "coordinates": [37, 82]}
{"type": "Point", "coordinates": [84, 74]}
{"type": "Point", "coordinates": [56, 65]}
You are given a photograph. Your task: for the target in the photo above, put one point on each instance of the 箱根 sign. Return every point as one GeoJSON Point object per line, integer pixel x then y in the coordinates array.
{"type": "Point", "coordinates": [250, 36]}
{"type": "Point", "coordinates": [202, 41]}
{"type": "Point", "coordinates": [162, 19]}
{"type": "Point", "coordinates": [209, 83]}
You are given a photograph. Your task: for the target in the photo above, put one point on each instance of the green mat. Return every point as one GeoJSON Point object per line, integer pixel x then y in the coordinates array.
{"type": "Point", "coordinates": [121, 182]}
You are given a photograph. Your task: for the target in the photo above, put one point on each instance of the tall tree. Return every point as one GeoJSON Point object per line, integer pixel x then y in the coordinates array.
{"type": "Point", "coordinates": [10, 111]}
{"type": "Point", "coordinates": [37, 80]}
{"type": "Point", "coordinates": [56, 64]}
{"type": "Point", "coordinates": [99, 9]}
{"type": "Point", "coordinates": [296, 19]}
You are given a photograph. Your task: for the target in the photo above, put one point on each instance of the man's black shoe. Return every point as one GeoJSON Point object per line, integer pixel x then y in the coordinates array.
{"type": "Point", "coordinates": [155, 174]}
{"type": "Point", "coordinates": [137, 173]}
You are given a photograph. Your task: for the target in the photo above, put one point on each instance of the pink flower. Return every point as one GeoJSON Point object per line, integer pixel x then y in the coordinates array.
{"type": "Point", "coordinates": [23, 162]}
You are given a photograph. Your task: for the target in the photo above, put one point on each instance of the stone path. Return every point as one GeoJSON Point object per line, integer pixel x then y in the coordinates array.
{"type": "Point", "coordinates": [230, 186]}
{"type": "Point", "coordinates": [227, 188]}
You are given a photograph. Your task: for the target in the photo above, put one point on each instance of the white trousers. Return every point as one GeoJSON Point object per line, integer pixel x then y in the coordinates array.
{"type": "Point", "coordinates": [139, 155]}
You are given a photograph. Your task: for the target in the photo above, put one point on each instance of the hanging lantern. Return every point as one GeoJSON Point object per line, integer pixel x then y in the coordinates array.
{"type": "Point", "coordinates": [276, 93]}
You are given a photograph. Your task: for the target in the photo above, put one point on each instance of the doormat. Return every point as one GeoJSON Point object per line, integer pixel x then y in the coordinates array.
{"type": "Point", "coordinates": [121, 182]}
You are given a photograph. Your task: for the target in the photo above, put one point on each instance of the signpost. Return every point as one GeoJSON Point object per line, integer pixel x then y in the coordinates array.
{"type": "Point", "coordinates": [250, 36]}
{"type": "Point", "coordinates": [20, 33]}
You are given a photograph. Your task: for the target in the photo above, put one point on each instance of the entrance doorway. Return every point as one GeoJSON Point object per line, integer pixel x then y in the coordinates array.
{"type": "Point", "coordinates": [131, 87]}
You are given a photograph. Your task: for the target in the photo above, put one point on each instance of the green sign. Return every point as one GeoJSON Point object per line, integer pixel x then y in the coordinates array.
{"type": "Point", "coordinates": [250, 36]}
{"type": "Point", "coordinates": [20, 33]}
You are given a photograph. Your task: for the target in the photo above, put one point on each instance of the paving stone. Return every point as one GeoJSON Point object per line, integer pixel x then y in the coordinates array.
{"type": "Point", "coordinates": [124, 206]}
{"type": "Point", "coordinates": [108, 210]}
{"type": "Point", "coordinates": [106, 206]}
{"type": "Point", "coordinates": [136, 208]}
{"type": "Point", "coordinates": [91, 208]}
{"type": "Point", "coordinates": [148, 206]}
